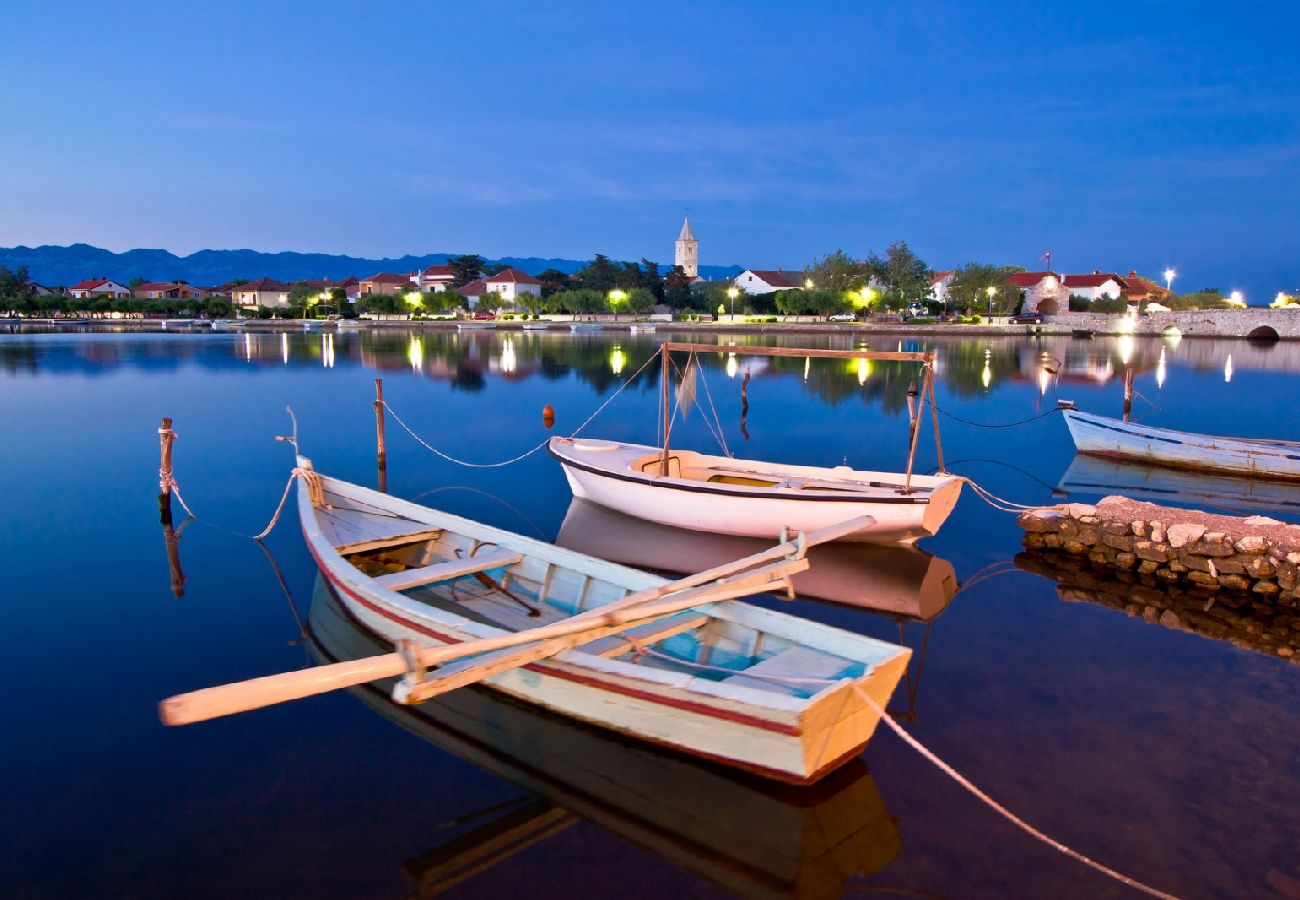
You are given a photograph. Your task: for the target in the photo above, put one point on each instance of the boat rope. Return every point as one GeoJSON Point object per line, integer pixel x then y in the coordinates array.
{"type": "Point", "coordinates": [720, 433]}
{"type": "Point", "coordinates": [495, 465]}
{"type": "Point", "coordinates": [999, 503]}
{"type": "Point", "coordinates": [315, 490]}
{"type": "Point", "coordinates": [716, 432]}
{"type": "Point", "coordinates": [1042, 415]}
{"type": "Point", "coordinates": [642, 650]}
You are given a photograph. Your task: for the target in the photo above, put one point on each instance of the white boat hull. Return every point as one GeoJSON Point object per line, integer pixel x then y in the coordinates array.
{"type": "Point", "coordinates": [1114, 438]}
{"type": "Point", "coordinates": [770, 733]}
{"type": "Point", "coordinates": [755, 511]}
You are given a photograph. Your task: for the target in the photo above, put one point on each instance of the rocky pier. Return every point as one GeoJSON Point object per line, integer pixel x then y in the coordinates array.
{"type": "Point", "coordinates": [1232, 578]}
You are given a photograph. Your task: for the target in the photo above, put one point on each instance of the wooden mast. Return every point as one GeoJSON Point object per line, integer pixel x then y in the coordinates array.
{"type": "Point", "coordinates": [665, 377]}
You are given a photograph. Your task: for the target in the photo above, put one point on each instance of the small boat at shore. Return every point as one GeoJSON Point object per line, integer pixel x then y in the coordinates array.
{"type": "Point", "coordinates": [343, 324]}
{"type": "Point", "coordinates": [642, 328]}
{"type": "Point", "coordinates": [790, 842]}
{"type": "Point", "coordinates": [537, 326]}
{"type": "Point", "coordinates": [673, 663]}
{"type": "Point", "coordinates": [754, 498]}
{"type": "Point", "coordinates": [1247, 457]}
{"type": "Point", "coordinates": [586, 327]}
{"type": "Point", "coordinates": [475, 326]}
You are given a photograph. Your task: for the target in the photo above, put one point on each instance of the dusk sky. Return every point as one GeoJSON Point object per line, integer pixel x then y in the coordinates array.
{"type": "Point", "coordinates": [1118, 135]}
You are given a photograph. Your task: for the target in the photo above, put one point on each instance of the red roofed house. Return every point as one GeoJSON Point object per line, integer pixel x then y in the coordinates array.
{"type": "Point", "coordinates": [1094, 286]}
{"type": "Point", "coordinates": [166, 290]}
{"type": "Point", "coordinates": [510, 284]}
{"type": "Point", "coordinates": [939, 282]}
{"type": "Point", "coordinates": [1042, 292]}
{"type": "Point", "coordinates": [473, 292]}
{"type": "Point", "coordinates": [765, 281]}
{"type": "Point", "coordinates": [387, 283]}
{"type": "Point", "coordinates": [1138, 288]}
{"type": "Point", "coordinates": [98, 287]}
{"type": "Point", "coordinates": [262, 292]}
{"type": "Point", "coordinates": [434, 279]}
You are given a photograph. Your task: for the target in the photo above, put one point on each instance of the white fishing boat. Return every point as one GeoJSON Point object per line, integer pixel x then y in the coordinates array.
{"type": "Point", "coordinates": [670, 663]}
{"type": "Point", "coordinates": [790, 842]}
{"type": "Point", "coordinates": [1249, 457]}
{"type": "Point", "coordinates": [642, 328]}
{"type": "Point", "coordinates": [897, 579]}
{"type": "Point", "coordinates": [753, 498]}
{"type": "Point", "coordinates": [586, 327]}
{"type": "Point", "coordinates": [470, 325]}
{"type": "Point", "coordinates": [343, 324]}
{"type": "Point", "coordinates": [537, 326]}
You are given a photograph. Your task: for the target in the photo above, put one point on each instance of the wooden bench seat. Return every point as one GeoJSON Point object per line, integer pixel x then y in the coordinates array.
{"type": "Point", "coordinates": [392, 540]}
{"type": "Point", "coordinates": [446, 571]}
{"type": "Point", "coordinates": [649, 633]}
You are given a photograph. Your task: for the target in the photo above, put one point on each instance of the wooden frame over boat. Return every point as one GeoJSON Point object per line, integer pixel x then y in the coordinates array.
{"type": "Point", "coordinates": [722, 495]}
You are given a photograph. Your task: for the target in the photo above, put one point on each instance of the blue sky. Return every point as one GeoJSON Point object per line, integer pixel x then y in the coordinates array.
{"type": "Point", "coordinates": [1118, 135]}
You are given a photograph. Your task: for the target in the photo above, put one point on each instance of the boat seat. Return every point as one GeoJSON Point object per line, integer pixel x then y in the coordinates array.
{"type": "Point", "coordinates": [448, 570]}
{"type": "Point", "coordinates": [793, 663]}
{"type": "Point", "coordinates": [392, 540]}
{"type": "Point", "coordinates": [647, 634]}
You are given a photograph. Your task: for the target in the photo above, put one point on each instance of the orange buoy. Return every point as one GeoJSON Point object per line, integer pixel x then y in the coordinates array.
{"type": "Point", "coordinates": [548, 415]}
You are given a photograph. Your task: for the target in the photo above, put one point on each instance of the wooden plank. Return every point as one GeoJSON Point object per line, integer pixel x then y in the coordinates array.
{"type": "Point", "coordinates": [888, 355]}
{"type": "Point", "coordinates": [650, 633]}
{"type": "Point", "coordinates": [410, 537]}
{"type": "Point", "coordinates": [446, 571]}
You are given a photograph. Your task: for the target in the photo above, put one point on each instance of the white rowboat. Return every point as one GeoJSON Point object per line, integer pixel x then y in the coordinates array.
{"type": "Point", "coordinates": [1115, 438]}
{"type": "Point", "coordinates": [721, 495]}
{"type": "Point", "coordinates": [747, 687]}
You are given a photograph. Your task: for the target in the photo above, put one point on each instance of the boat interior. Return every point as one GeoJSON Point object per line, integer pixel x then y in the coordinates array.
{"type": "Point", "coordinates": [697, 467]}
{"type": "Point", "coordinates": [496, 586]}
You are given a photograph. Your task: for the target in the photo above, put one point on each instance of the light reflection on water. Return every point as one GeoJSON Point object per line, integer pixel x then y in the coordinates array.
{"type": "Point", "coordinates": [1150, 749]}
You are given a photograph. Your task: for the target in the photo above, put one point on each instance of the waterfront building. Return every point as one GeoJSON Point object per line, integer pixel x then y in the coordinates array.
{"type": "Point", "coordinates": [765, 281]}
{"type": "Point", "coordinates": [1094, 286]}
{"type": "Point", "coordinates": [688, 250]}
{"type": "Point", "coordinates": [262, 292]}
{"type": "Point", "coordinates": [510, 284]}
{"type": "Point", "coordinates": [1042, 292]}
{"type": "Point", "coordinates": [939, 282]}
{"type": "Point", "coordinates": [434, 279]}
{"type": "Point", "coordinates": [167, 290]}
{"type": "Point", "coordinates": [98, 287]}
{"type": "Point", "coordinates": [386, 283]}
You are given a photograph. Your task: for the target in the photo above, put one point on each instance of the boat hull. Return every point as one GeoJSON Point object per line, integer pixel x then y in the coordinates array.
{"type": "Point", "coordinates": [697, 506]}
{"type": "Point", "coordinates": [776, 737]}
{"type": "Point", "coordinates": [1116, 439]}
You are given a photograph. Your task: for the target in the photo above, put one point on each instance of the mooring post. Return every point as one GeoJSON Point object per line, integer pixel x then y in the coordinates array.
{"type": "Point", "coordinates": [1128, 392]}
{"type": "Point", "coordinates": [381, 450]}
{"type": "Point", "coordinates": [165, 438]}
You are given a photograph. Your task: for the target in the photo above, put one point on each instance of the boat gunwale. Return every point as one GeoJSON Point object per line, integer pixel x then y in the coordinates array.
{"type": "Point", "coordinates": [1184, 438]}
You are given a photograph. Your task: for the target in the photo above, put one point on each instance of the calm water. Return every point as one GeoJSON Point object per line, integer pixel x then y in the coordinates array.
{"type": "Point", "coordinates": [1170, 756]}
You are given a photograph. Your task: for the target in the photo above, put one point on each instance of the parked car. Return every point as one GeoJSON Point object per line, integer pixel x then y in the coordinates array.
{"type": "Point", "coordinates": [485, 315]}
{"type": "Point", "coordinates": [1027, 319]}
{"type": "Point", "coordinates": [843, 317]}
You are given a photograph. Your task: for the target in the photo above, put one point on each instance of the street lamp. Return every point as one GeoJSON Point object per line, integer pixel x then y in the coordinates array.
{"type": "Point", "coordinates": [1170, 275]}
{"type": "Point", "coordinates": [733, 293]}
{"type": "Point", "coordinates": [808, 284]}
{"type": "Point", "coordinates": [990, 290]}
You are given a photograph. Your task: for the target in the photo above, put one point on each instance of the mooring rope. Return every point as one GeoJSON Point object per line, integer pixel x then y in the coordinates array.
{"type": "Point", "coordinates": [1043, 415]}
{"type": "Point", "coordinates": [640, 649]}
{"type": "Point", "coordinates": [999, 503]}
{"type": "Point", "coordinates": [495, 465]}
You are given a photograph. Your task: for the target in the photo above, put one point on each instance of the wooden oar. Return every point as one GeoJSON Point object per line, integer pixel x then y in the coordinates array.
{"type": "Point", "coordinates": [210, 703]}
{"type": "Point", "coordinates": [224, 700]}
{"type": "Point", "coordinates": [618, 620]}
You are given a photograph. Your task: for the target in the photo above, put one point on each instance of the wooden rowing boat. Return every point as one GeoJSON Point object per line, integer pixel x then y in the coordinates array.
{"type": "Point", "coordinates": [1096, 477]}
{"type": "Point", "coordinates": [752, 498]}
{"type": "Point", "coordinates": [722, 495]}
{"type": "Point", "coordinates": [789, 842]}
{"type": "Point", "coordinates": [748, 687]}
{"type": "Point", "coordinates": [1252, 458]}
{"type": "Point", "coordinates": [897, 579]}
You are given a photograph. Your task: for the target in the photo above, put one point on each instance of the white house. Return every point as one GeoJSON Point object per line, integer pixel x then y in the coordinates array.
{"type": "Point", "coordinates": [98, 287]}
{"type": "Point", "coordinates": [1043, 292]}
{"type": "Point", "coordinates": [1094, 286]}
{"type": "Point", "coordinates": [765, 281]}
{"type": "Point", "coordinates": [939, 282]}
{"type": "Point", "coordinates": [512, 283]}
{"type": "Point", "coordinates": [434, 279]}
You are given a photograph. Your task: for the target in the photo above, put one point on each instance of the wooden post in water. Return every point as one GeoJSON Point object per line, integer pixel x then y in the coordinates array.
{"type": "Point", "coordinates": [1128, 392]}
{"type": "Point", "coordinates": [165, 438]}
{"type": "Point", "coordinates": [381, 448]}
{"type": "Point", "coordinates": [744, 405]}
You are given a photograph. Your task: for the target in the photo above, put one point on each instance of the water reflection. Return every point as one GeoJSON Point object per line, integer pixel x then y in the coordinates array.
{"type": "Point", "coordinates": [750, 837]}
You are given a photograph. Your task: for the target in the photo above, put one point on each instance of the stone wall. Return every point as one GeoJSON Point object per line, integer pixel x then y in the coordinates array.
{"type": "Point", "coordinates": [1199, 323]}
{"type": "Point", "coordinates": [1251, 561]}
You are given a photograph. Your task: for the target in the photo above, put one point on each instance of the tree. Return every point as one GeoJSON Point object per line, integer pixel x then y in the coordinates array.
{"type": "Point", "coordinates": [968, 289]}
{"type": "Point", "coordinates": [465, 268]}
{"type": "Point", "coordinates": [553, 280]}
{"type": "Point", "coordinates": [530, 302]}
{"type": "Point", "coordinates": [904, 276]}
{"type": "Point", "coordinates": [677, 288]}
{"type": "Point", "coordinates": [651, 280]}
{"type": "Point", "coordinates": [600, 275]}
{"type": "Point", "coordinates": [136, 282]}
{"type": "Point", "coordinates": [491, 269]}
{"type": "Point", "coordinates": [14, 284]}
{"type": "Point", "coordinates": [640, 300]}
{"type": "Point", "coordinates": [303, 295]}
{"type": "Point", "coordinates": [837, 272]}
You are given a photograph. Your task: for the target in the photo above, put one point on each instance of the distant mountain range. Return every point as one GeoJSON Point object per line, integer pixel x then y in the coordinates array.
{"type": "Point", "coordinates": [50, 265]}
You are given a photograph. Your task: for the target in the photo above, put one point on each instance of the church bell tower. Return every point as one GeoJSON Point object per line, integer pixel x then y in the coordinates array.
{"type": "Point", "coordinates": [688, 250]}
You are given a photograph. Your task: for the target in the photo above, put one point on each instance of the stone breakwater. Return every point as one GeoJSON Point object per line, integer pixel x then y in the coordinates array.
{"type": "Point", "coordinates": [1226, 560]}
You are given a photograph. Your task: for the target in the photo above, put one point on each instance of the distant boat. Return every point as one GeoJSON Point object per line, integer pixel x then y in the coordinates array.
{"type": "Point", "coordinates": [787, 843]}
{"type": "Point", "coordinates": [351, 323]}
{"type": "Point", "coordinates": [1094, 476]}
{"type": "Point", "coordinates": [751, 688]}
{"type": "Point", "coordinates": [536, 326]}
{"type": "Point", "coordinates": [585, 327]}
{"type": "Point", "coordinates": [186, 324]}
{"type": "Point", "coordinates": [897, 579]}
{"type": "Point", "coordinates": [309, 324]}
{"type": "Point", "coordinates": [1083, 333]}
{"type": "Point", "coordinates": [642, 328]}
{"type": "Point", "coordinates": [1253, 458]}
{"type": "Point", "coordinates": [475, 326]}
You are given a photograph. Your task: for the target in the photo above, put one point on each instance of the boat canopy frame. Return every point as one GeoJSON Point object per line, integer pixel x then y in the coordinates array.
{"type": "Point", "coordinates": [925, 395]}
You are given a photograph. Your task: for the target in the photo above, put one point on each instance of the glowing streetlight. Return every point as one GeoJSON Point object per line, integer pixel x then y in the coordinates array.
{"type": "Point", "coordinates": [1170, 275]}
{"type": "Point", "coordinates": [990, 290]}
{"type": "Point", "coordinates": [1237, 298]}
{"type": "Point", "coordinates": [733, 293]}
{"type": "Point", "coordinates": [808, 284]}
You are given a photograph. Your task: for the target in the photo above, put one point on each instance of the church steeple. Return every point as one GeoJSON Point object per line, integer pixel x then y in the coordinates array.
{"type": "Point", "coordinates": [688, 249]}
